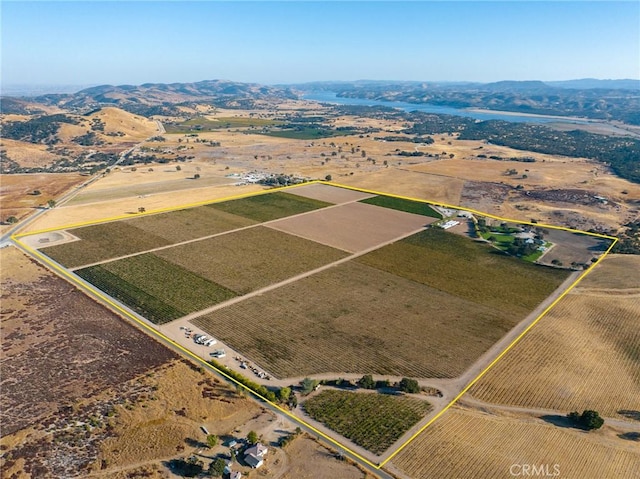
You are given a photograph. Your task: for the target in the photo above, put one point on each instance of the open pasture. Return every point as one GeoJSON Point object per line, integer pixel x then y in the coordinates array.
{"type": "Point", "coordinates": [267, 207]}
{"type": "Point", "coordinates": [103, 241]}
{"type": "Point", "coordinates": [373, 421]}
{"type": "Point", "coordinates": [466, 443]}
{"type": "Point", "coordinates": [469, 270]}
{"type": "Point", "coordinates": [352, 227]}
{"type": "Point", "coordinates": [246, 260]}
{"type": "Point", "coordinates": [584, 354]}
{"type": "Point", "coordinates": [355, 319]}
{"type": "Point", "coordinates": [155, 288]}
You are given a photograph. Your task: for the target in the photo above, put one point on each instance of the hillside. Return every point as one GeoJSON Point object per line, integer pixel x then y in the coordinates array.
{"type": "Point", "coordinates": [161, 99]}
{"type": "Point", "coordinates": [70, 142]}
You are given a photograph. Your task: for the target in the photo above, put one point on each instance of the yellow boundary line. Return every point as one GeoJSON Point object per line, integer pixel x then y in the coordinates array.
{"type": "Point", "coordinates": [154, 332]}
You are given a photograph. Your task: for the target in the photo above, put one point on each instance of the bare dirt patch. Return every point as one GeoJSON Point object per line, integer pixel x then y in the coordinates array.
{"type": "Point", "coordinates": [307, 459]}
{"type": "Point", "coordinates": [330, 194]}
{"type": "Point", "coordinates": [569, 248]}
{"type": "Point", "coordinates": [353, 227]}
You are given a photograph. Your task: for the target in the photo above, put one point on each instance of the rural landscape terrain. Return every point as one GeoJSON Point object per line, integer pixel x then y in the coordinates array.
{"type": "Point", "coordinates": [192, 272]}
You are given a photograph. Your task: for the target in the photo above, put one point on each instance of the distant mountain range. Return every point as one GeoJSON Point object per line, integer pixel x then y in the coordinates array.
{"type": "Point", "coordinates": [589, 98]}
{"type": "Point", "coordinates": [160, 98]}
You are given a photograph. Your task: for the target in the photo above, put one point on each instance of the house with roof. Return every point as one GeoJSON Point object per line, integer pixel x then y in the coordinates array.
{"type": "Point", "coordinates": [254, 456]}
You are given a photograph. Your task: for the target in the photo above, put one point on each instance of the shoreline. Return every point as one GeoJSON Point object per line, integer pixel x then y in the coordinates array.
{"type": "Point", "coordinates": [536, 115]}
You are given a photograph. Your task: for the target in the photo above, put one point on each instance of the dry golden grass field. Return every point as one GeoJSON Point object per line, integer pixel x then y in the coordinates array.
{"type": "Point", "coordinates": [16, 191]}
{"type": "Point", "coordinates": [471, 444]}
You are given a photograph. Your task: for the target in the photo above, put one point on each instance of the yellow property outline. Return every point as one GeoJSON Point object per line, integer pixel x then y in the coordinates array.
{"type": "Point", "coordinates": [97, 293]}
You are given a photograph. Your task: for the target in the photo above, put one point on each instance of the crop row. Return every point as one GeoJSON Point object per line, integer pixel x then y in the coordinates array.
{"type": "Point", "coordinates": [468, 444]}
{"type": "Point", "coordinates": [400, 204]}
{"type": "Point", "coordinates": [373, 421]}
{"type": "Point", "coordinates": [269, 206]}
{"type": "Point", "coordinates": [157, 289]}
{"type": "Point", "coordinates": [469, 270]}
{"type": "Point", "coordinates": [585, 354]}
{"type": "Point", "coordinates": [357, 319]}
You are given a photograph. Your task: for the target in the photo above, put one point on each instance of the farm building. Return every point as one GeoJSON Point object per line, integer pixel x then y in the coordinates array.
{"type": "Point", "coordinates": [254, 456]}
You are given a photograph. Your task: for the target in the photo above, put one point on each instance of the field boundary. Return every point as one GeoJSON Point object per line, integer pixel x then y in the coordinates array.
{"type": "Point", "coordinates": [156, 333]}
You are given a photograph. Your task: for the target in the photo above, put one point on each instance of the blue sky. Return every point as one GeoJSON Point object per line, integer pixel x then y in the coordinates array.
{"type": "Point", "coordinates": [122, 42]}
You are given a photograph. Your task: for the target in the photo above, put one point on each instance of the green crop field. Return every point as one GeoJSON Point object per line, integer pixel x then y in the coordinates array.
{"type": "Point", "coordinates": [308, 133]}
{"type": "Point", "coordinates": [103, 241]}
{"type": "Point", "coordinates": [158, 290]}
{"type": "Point", "coordinates": [403, 205]}
{"type": "Point", "coordinates": [373, 421]}
{"type": "Point", "coordinates": [269, 206]}
{"type": "Point", "coordinates": [356, 319]}
{"type": "Point", "coordinates": [204, 124]}
{"type": "Point", "coordinates": [249, 259]}
{"type": "Point", "coordinates": [467, 269]}
{"type": "Point", "coordinates": [191, 223]}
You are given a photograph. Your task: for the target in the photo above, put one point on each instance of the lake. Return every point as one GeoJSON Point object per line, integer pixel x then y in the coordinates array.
{"type": "Point", "coordinates": [331, 97]}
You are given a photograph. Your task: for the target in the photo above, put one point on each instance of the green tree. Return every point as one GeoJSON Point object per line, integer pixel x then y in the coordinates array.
{"type": "Point", "coordinates": [196, 176]}
{"type": "Point", "coordinates": [367, 382]}
{"type": "Point", "coordinates": [36, 192]}
{"type": "Point", "coordinates": [308, 385]}
{"type": "Point", "coordinates": [252, 437]}
{"type": "Point", "coordinates": [409, 386]}
{"type": "Point", "coordinates": [12, 220]}
{"type": "Point", "coordinates": [51, 203]}
{"type": "Point", "coordinates": [217, 467]}
{"type": "Point", "coordinates": [212, 440]}
{"type": "Point", "coordinates": [328, 178]}
{"type": "Point", "coordinates": [588, 420]}
{"type": "Point", "coordinates": [284, 394]}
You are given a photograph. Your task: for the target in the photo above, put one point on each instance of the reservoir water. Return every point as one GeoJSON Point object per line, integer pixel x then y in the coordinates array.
{"type": "Point", "coordinates": [331, 97]}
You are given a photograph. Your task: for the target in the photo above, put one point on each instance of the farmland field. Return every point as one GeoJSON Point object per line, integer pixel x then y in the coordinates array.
{"type": "Point", "coordinates": [470, 270]}
{"type": "Point", "coordinates": [101, 242]}
{"type": "Point", "coordinates": [591, 332]}
{"type": "Point", "coordinates": [357, 319]}
{"type": "Point", "coordinates": [187, 224]}
{"type": "Point", "coordinates": [155, 288]}
{"type": "Point", "coordinates": [328, 193]}
{"type": "Point", "coordinates": [270, 206]}
{"type": "Point", "coordinates": [246, 260]}
{"type": "Point", "coordinates": [472, 444]}
{"type": "Point", "coordinates": [400, 204]}
{"type": "Point", "coordinates": [352, 227]}
{"type": "Point", "coordinates": [204, 124]}
{"type": "Point", "coordinates": [373, 421]}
